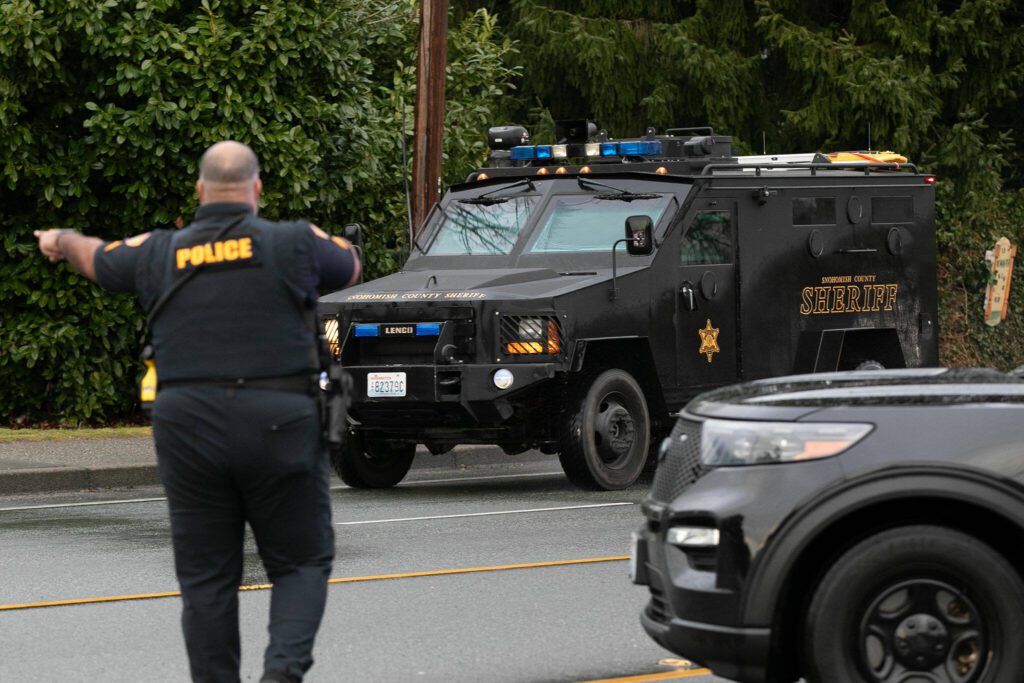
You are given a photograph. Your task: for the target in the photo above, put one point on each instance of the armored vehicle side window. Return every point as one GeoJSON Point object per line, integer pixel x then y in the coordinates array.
{"type": "Point", "coordinates": [470, 229]}
{"type": "Point", "coordinates": [892, 209]}
{"type": "Point", "coordinates": [814, 211]}
{"type": "Point", "coordinates": [709, 239]}
{"type": "Point", "coordinates": [591, 223]}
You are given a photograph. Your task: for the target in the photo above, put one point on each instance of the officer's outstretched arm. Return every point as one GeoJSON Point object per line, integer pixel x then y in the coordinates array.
{"type": "Point", "coordinates": [80, 250]}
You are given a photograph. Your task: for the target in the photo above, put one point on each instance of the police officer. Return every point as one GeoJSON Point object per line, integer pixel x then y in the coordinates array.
{"type": "Point", "coordinates": [236, 421]}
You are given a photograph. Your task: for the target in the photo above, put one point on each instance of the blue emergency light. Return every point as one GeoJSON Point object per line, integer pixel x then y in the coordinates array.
{"type": "Point", "coordinates": [366, 331]}
{"type": "Point", "coordinates": [640, 148]}
{"type": "Point", "coordinates": [428, 329]}
{"type": "Point", "coordinates": [522, 153]}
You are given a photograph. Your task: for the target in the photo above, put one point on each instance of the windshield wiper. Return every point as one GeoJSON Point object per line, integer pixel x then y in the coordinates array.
{"type": "Point", "coordinates": [487, 200]}
{"type": "Point", "coordinates": [619, 194]}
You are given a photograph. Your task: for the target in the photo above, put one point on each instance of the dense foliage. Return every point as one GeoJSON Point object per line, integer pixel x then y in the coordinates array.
{"type": "Point", "coordinates": [106, 106]}
{"type": "Point", "coordinates": [941, 81]}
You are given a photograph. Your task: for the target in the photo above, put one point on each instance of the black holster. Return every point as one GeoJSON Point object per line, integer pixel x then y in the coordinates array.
{"type": "Point", "coordinates": [335, 397]}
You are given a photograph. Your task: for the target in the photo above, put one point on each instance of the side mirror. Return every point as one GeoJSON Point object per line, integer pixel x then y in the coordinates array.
{"type": "Point", "coordinates": [353, 232]}
{"type": "Point", "coordinates": [639, 233]}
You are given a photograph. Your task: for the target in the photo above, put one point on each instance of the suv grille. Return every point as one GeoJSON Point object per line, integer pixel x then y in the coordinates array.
{"type": "Point", "coordinates": [681, 466]}
{"type": "Point", "coordinates": [657, 608]}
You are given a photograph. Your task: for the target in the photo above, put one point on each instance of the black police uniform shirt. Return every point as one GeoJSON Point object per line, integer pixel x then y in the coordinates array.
{"type": "Point", "coordinates": [247, 313]}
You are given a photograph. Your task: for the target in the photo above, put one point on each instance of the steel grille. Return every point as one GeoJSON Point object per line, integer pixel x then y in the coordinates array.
{"type": "Point", "coordinates": [531, 335]}
{"type": "Point", "coordinates": [681, 466]}
{"type": "Point", "coordinates": [331, 334]}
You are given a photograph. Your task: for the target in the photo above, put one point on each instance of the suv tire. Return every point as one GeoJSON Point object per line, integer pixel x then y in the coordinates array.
{"type": "Point", "coordinates": [372, 464]}
{"type": "Point", "coordinates": [917, 598]}
{"type": "Point", "coordinates": [605, 431]}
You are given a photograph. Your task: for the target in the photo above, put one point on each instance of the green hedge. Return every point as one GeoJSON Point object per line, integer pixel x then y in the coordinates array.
{"type": "Point", "coordinates": [106, 107]}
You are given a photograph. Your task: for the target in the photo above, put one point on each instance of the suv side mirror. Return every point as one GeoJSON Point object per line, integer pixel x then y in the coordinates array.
{"type": "Point", "coordinates": [639, 232]}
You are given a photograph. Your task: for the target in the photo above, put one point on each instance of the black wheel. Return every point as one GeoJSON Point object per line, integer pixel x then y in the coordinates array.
{"type": "Point", "coordinates": [920, 604]}
{"type": "Point", "coordinates": [603, 442]}
{"type": "Point", "coordinates": [372, 463]}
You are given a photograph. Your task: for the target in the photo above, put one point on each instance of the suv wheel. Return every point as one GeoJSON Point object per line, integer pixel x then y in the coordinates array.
{"type": "Point", "coordinates": [372, 464]}
{"type": "Point", "coordinates": [920, 603]}
{"type": "Point", "coordinates": [605, 431]}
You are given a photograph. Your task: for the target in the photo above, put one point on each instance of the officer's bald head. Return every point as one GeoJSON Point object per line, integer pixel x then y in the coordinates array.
{"type": "Point", "coordinates": [229, 172]}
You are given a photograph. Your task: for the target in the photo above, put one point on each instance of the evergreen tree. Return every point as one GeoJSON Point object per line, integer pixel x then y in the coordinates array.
{"type": "Point", "coordinates": [940, 81]}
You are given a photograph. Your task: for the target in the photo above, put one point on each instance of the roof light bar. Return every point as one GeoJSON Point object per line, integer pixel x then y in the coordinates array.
{"type": "Point", "coordinates": [632, 148]}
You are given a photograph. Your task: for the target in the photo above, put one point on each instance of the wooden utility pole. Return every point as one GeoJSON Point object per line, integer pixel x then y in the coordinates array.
{"type": "Point", "coordinates": [429, 122]}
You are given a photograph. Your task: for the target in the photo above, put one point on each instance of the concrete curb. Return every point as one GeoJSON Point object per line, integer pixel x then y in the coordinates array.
{"type": "Point", "coordinates": [53, 479]}
{"type": "Point", "coordinates": [49, 479]}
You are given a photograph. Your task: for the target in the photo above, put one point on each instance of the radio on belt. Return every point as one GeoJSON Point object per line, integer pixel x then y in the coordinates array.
{"type": "Point", "coordinates": [570, 296]}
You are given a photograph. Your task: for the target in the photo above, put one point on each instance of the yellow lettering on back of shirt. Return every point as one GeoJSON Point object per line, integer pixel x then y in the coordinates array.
{"type": "Point", "coordinates": [214, 252]}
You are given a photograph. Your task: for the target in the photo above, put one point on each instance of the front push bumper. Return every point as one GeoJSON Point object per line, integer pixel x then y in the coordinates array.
{"type": "Point", "coordinates": [446, 397]}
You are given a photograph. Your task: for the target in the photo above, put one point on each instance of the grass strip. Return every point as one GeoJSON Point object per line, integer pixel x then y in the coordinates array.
{"type": "Point", "coordinates": [9, 435]}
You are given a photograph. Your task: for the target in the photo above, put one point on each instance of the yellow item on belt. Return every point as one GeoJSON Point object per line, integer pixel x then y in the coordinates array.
{"type": "Point", "coordinates": [869, 157]}
{"type": "Point", "coordinates": [147, 389]}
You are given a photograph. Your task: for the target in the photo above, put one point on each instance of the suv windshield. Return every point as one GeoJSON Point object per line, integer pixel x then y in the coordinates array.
{"type": "Point", "coordinates": [472, 228]}
{"type": "Point", "coordinates": [587, 222]}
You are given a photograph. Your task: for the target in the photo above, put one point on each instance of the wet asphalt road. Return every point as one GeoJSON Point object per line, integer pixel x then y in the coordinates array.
{"type": "Point", "coordinates": [575, 622]}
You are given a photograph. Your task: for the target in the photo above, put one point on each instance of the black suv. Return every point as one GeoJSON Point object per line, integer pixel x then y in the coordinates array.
{"type": "Point", "coordinates": [853, 526]}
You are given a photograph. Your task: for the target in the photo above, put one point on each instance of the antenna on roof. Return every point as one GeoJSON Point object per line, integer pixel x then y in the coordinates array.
{"type": "Point", "coordinates": [764, 143]}
{"type": "Point", "coordinates": [869, 136]}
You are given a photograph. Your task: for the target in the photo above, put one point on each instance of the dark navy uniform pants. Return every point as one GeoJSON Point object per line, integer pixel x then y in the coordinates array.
{"type": "Point", "coordinates": [231, 456]}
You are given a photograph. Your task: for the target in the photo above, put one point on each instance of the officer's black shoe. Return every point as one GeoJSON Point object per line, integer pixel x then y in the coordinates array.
{"type": "Point", "coordinates": [278, 677]}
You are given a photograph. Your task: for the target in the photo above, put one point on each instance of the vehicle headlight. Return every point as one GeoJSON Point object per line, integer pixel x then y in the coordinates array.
{"type": "Point", "coordinates": [736, 442]}
{"type": "Point", "coordinates": [503, 378]}
{"type": "Point", "coordinates": [331, 333]}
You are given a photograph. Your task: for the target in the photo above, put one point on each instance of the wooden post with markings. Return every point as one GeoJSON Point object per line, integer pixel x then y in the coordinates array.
{"type": "Point", "coordinates": [430, 104]}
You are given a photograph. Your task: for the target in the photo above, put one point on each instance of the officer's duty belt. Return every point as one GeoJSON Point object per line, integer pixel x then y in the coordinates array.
{"type": "Point", "coordinates": [296, 384]}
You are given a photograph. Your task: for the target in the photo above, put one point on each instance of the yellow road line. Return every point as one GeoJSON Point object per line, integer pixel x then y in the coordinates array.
{"type": "Point", "coordinates": [353, 579]}
{"type": "Point", "coordinates": [663, 676]}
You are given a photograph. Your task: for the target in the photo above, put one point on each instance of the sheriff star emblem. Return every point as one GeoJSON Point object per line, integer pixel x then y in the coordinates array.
{"type": "Point", "coordinates": [708, 340]}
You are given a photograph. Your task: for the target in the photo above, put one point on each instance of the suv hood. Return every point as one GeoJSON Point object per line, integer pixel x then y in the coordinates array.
{"type": "Point", "coordinates": [796, 396]}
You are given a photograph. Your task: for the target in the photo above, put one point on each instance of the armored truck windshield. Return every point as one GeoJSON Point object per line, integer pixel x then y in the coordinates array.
{"type": "Point", "coordinates": [557, 218]}
{"type": "Point", "coordinates": [467, 228]}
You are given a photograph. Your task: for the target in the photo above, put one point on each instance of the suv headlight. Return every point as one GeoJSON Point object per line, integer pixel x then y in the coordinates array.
{"type": "Point", "coordinates": [736, 442]}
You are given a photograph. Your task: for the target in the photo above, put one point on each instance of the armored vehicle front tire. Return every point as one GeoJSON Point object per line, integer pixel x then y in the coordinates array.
{"type": "Point", "coordinates": [372, 463]}
{"type": "Point", "coordinates": [605, 431]}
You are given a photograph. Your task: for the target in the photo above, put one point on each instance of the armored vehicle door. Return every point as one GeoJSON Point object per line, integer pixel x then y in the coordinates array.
{"type": "Point", "coordinates": [706, 330]}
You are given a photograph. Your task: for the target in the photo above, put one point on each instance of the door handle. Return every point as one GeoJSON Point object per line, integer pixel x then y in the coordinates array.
{"type": "Point", "coordinates": [688, 296]}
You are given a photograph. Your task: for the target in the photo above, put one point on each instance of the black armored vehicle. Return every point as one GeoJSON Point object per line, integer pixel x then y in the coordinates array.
{"type": "Point", "coordinates": [572, 297]}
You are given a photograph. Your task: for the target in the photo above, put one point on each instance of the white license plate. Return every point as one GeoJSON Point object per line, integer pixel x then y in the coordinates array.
{"type": "Point", "coordinates": [384, 384]}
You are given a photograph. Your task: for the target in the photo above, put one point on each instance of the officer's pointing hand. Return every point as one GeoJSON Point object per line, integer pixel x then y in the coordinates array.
{"type": "Point", "coordinates": [48, 243]}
